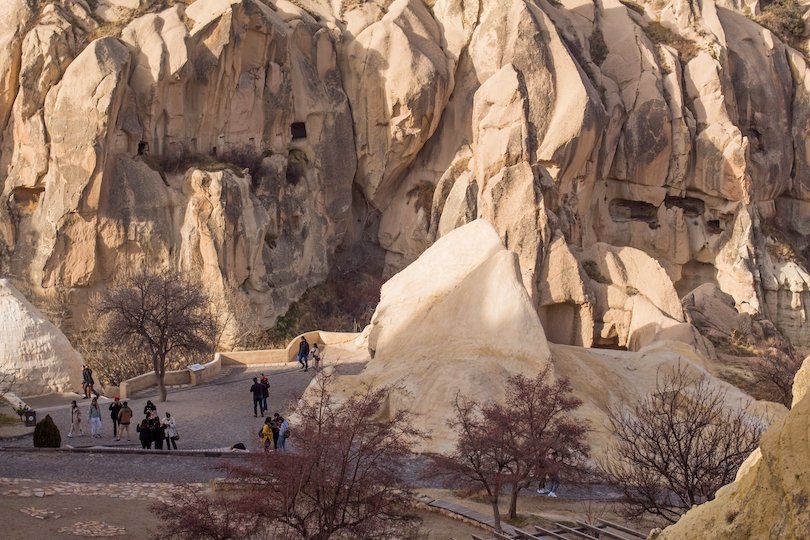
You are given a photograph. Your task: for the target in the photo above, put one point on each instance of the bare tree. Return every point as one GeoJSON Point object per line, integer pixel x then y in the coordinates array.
{"type": "Point", "coordinates": [676, 447]}
{"type": "Point", "coordinates": [538, 421]}
{"type": "Point", "coordinates": [161, 314]}
{"type": "Point", "coordinates": [7, 380]}
{"type": "Point", "coordinates": [345, 480]}
{"type": "Point", "coordinates": [482, 455]}
{"type": "Point", "coordinates": [509, 444]}
{"type": "Point", "coordinates": [773, 374]}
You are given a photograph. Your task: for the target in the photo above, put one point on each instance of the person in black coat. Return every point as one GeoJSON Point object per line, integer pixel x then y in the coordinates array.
{"type": "Point", "coordinates": [115, 408]}
{"type": "Point", "coordinates": [144, 434]}
{"type": "Point", "coordinates": [258, 390]}
{"type": "Point", "coordinates": [157, 431]}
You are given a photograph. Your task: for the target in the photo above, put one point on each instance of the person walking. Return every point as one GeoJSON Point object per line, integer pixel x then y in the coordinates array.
{"type": "Point", "coordinates": [258, 390]}
{"type": "Point", "coordinates": [115, 408]}
{"type": "Point", "coordinates": [283, 433]}
{"type": "Point", "coordinates": [170, 429]}
{"type": "Point", "coordinates": [267, 433]}
{"type": "Point", "coordinates": [144, 434]}
{"type": "Point", "coordinates": [265, 392]}
{"type": "Point", "coordinates": [316, 357]}
{"type": "Point", "coordinates": [87, 381]}
{"type": "Point", "coordinates": [124, 418]}
{"type": "Point", "coordinates": [303, 353]}
{"type": "Point", "coordinates": [75, 420]}
{"type": "Point", "coordinates": [94, 415]}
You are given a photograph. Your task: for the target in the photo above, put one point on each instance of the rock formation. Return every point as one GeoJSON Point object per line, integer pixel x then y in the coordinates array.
{"type": "Point", "coordinates": [627, 152]}
{"type": "Point", "coordinates": [32, 350]}
{"type": "Point", "coordinates": [466, 329]}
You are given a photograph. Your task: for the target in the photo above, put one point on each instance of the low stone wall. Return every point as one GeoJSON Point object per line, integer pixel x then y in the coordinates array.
{"type": "Point", "coordinates": [235, 358]}
{"type": "Point", "coordinates": [281, 356]}
{"type": "Point", "coordinates": [172, 378]}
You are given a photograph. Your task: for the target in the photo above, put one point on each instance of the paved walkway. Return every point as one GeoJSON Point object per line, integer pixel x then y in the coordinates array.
{"type": "Point", "coordinates": [213, 415]}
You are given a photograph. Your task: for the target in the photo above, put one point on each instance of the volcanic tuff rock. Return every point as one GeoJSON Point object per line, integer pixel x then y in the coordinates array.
{"type": "Point", "coordinates": [466, 329]}
{"type": "Point", "coordinates": [34, 351]}
{"type": "Point", "coordinates": [259, 144]}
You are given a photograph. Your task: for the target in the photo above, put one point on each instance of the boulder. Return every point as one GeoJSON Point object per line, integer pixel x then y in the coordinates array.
{"type": "Point", "coordinates": [33, 350]}
{"type": "Point", "coordinates": [463, 330]}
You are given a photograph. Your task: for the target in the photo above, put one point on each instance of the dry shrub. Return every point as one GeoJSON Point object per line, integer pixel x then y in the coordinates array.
{"type": "Point", "coordinates": [658, 33]}
{"type": "Point", "coordinates": [784, 18]}
{"type": "Point", "coordinates": [343, 303]}
{"type": "Point", "coordinates": [678, 445]}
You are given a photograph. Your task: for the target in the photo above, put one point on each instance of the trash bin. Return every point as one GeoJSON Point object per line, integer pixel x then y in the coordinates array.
{"type": "Point", "coordinates": [30, 418]}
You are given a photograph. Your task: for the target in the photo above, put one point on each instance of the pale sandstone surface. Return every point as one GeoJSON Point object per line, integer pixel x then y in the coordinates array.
{"type": "Point", "coordinates": [465, 330]}
{"type": "Point", "coordinates": [768, 499]}
{"type": "Point", "coordinates": [371, 130]}
{"type": "Point", "coordinates": [801, 382]}
{"type": "Point", "coordinates": [33, 350]}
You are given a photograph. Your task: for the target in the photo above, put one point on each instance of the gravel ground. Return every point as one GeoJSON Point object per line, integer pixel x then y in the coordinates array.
{"type": "Point", "coordinates": [212, 416]}
{"type": "Point", "coordinates": [98, 467]}
{"type": "Point", "coordinates": [215, 415]}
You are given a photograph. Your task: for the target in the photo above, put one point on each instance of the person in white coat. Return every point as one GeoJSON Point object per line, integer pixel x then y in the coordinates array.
{"type": "Point", "coordinates": [170, 429]}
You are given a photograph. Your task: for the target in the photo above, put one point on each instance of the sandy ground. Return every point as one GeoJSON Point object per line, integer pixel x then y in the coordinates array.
{"type": "Point", "coordinates": [66, 515]}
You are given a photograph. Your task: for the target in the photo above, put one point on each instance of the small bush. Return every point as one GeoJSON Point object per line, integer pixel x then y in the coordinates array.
{"type": "Point", "coordinates": [46, 434]}
{"type": "Point", "coordinates": [592, 269]}
{"type": "Point", "coordinates": [599, 49]}
{"type": "Point", "coordinates": [783, 18]}
{"type": "Point", "coordinates": [658, 33]}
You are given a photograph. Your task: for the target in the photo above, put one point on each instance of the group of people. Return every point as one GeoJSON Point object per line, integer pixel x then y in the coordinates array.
{"type": "Point", "coordinates": [275, 430]}
{"type": "Point", "coordinates": [154, 431]}
{"type": "Point", "coordinates": [151, 430]}
{"type": "Point", "coordinates": [305, 352]}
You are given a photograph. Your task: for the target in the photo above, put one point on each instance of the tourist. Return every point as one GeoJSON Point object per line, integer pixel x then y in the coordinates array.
{"type": "Point", "coordinates": [149, 408]}
{"type": "Point", "coordinates": [266, 433]}
{"type": "Point", "coordinates": [275, 426]}
{"type": "Point", "coordinates": [170, 427]}
{"type": "Point", "coordinates": [257, 389]}
{"type": "Point", "coordinates": [115, 408]}
{"type": "Point", "coordinates": [88, 382]}
{"type": "Point", "coordinates": [316, 357]}
{"type": "Point", "coordinates": [283, 433]}
{"type": "Point", "coordinates": [95, 418]}
{"type": "Point", "coordinates": [124, 418]}
{"type": "Point", "coordinates": [144, 434]}
{"type": "Point", "coordinates": [303, 353]}
{"type": "Point", "coordinates": [158, 433]}
{"type": "Point", "coordinates": [75, 420]}
{"type": "Point", "coordinates": [265, 392]}
{"type": "Point", "coordinates": [552, 481]}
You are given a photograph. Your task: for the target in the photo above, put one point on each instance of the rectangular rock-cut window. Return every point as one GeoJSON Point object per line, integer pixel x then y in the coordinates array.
{"type": "Point", "coordinates": [299, 130]}
{"type": "Point", "coordinates": [623, 210]}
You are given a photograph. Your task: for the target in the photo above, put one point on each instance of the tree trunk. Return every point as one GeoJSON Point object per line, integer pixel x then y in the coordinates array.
{"type": "Point", "coordinates": [162, 387]}
{"type": "Point", "coordinates": [513, 502]}
{"type": "Point", "coordinates": [496, 514]}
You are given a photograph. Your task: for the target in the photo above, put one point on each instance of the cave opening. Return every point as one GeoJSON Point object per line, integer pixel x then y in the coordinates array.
{"type": "Point", "coordinates": [298, 130]}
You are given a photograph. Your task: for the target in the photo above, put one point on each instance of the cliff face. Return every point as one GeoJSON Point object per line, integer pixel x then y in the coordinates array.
{"type": "Point", "coordinates": [627, 153]}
